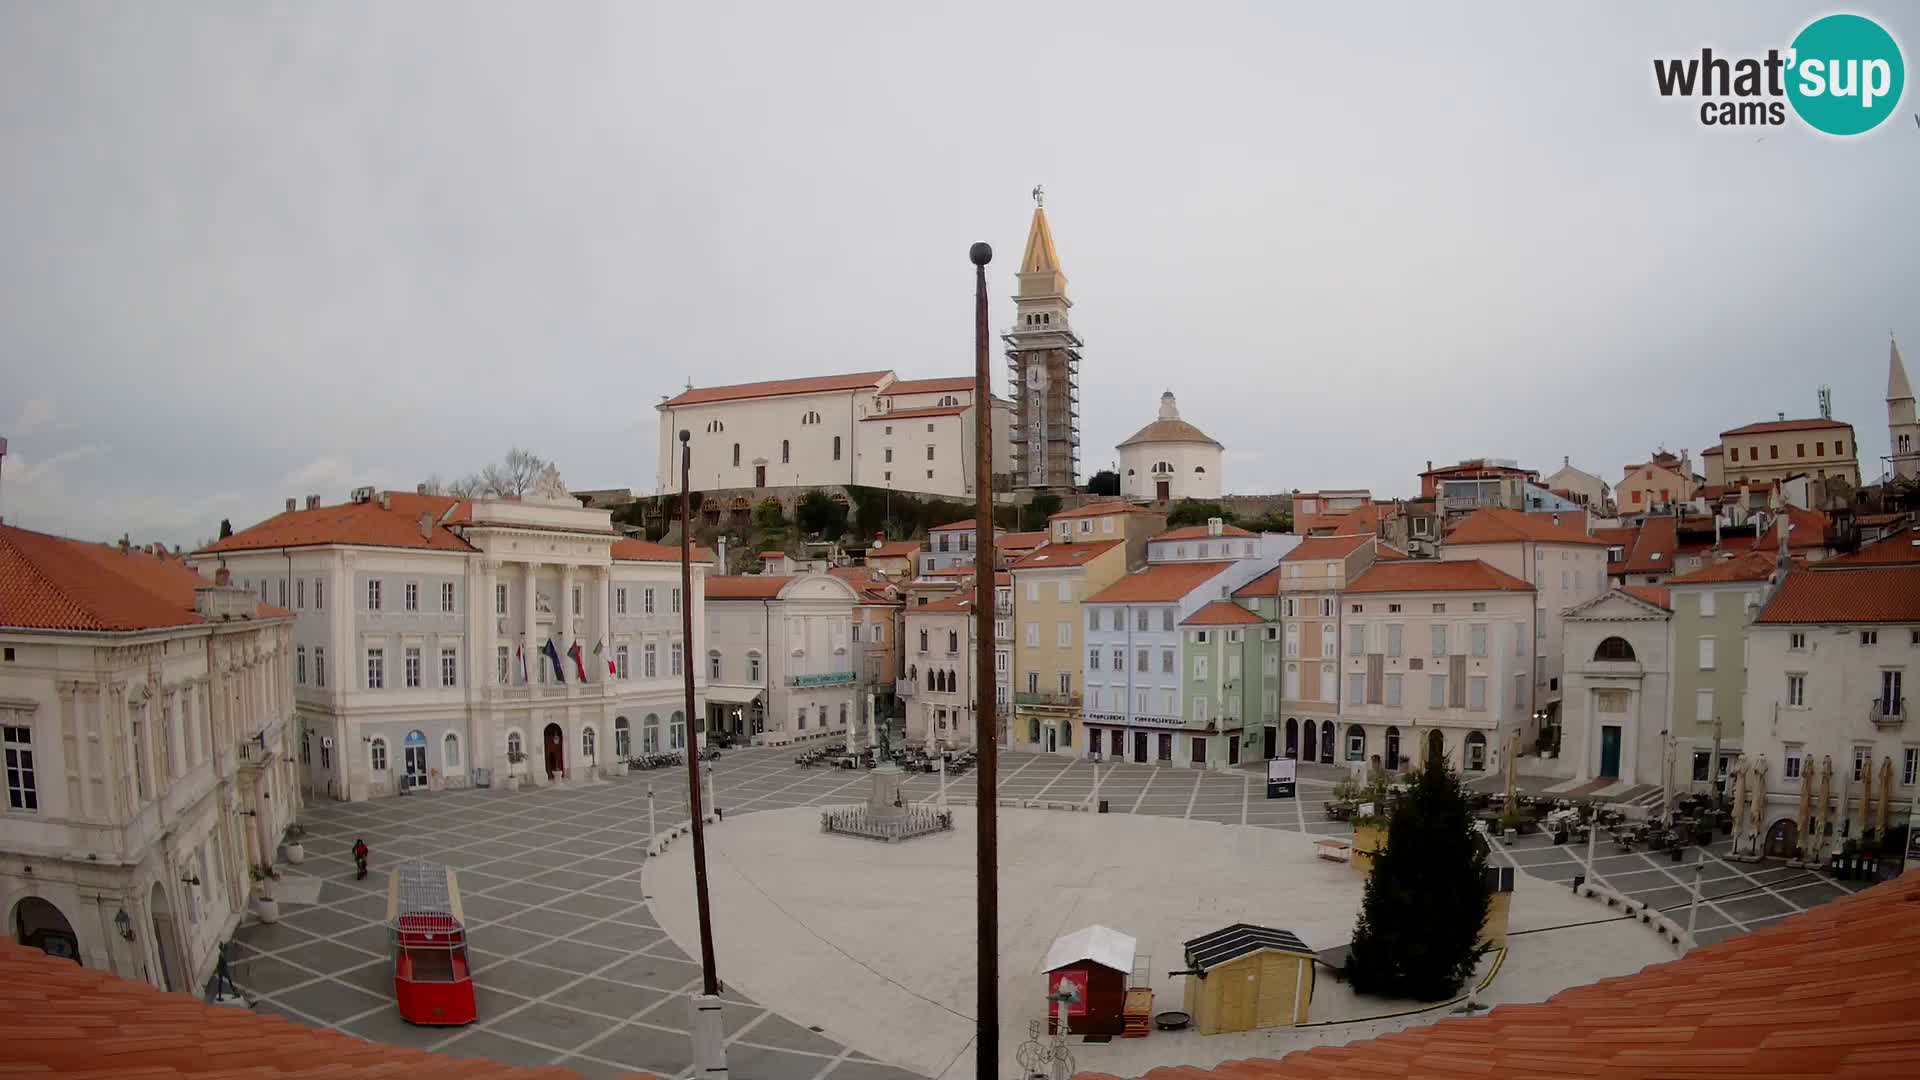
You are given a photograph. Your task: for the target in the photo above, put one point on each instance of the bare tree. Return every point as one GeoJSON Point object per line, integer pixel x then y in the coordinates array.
{"type": "Point", "coordinates": [433, 485]}
{"type": "Point", "coordinates": [470, 486]}
{"type": "Point", "coordinates": [514, 475]}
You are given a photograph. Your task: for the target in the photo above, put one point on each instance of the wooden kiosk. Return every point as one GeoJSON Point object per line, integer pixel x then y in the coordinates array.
{"type": "Point", "coordinates": [1244, 977]}
{"type": "Point", "coordinates": [1098, 961]}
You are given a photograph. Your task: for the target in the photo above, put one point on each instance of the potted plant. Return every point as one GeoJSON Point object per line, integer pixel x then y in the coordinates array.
{"type": "Point", "coordinates": [296, 844]}
{"type": "Point", "coordinates": [265, 907]}
{"type": "Point", "coordinates": [514, 759]}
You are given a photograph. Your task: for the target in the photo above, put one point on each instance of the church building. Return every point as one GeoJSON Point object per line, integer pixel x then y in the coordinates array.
{"type": "Point", "coordinates": [1170, 459]}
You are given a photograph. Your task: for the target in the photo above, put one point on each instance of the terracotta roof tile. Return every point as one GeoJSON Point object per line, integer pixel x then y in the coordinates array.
{"type": "Point", "coordinates": [894, 549]}
{"type": "Point", "coordinates": [1158, 583]}
{"type": "Point", "coordinates": [647, 551]}
{"type": "Point", "coordinates": [1652, 594]}
{"type": "Point", "coordinates": [1759, 1005]}
{"type": "Point", "coordinates": [971, 525]}
{"type": "Point", "coordinates": [959, 603]}
{"type": "Point", "coordinates": [1496, 526]}
{"type": "Point", "coordinates": [1807, 531]}
{"type": "Point", "coordinates": [86, 1023]}
{"type": "Point", "coordinates": [1750, 566]}
{"type": "Point", "coordinates": [1053, 556]}
{"type": "Point", "coordinates": [1389, 553]}
{"type": "Point", "coordinates": [1221, 613]}
{"type": "Point", "coordinates": [1320, 548]}
{"type": "Point", "coordinates": [1101, 509]}
{"type": "Point", "coordinates": [1433, 575]}
{"type": "Point", "coordinates": [1895, 549]}
{"type": "Point", "coordinates": [1785, 425]}
{"type": "Point", "coordinates": [956, 385]}
{"type": "Point", "coordinates": [1364, 518]}
{"type": "Point", "coordinates": [1885, 594]}
{"type": "Point", "coordinates": [746, 586]}
{"type": "Point", "coordinates": [52, 583]}
{"type": "Point", "coordinates": [1654, 548]}
{"type": "Point", "coordinates": [1169, 431]}
{"type": "Point", "coordinates": [821, 384]}
{"type": "Point", "coordinates": [364, 524]}
{"type": "Point", "coordinates": [1199, 532]}
{"type": "Point", "coordinates": [1267, 584]}
{"type": "Point", "coordinates": [1020, 541]}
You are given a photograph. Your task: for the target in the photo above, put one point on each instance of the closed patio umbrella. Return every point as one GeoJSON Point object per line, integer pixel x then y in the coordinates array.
{"type": "Point", "coordinates": [1886, 794]}
{"type": "Point", "coordinates": [1804, 825]}
{"type": "Point", "coordinates": [1823, 810]}
{"type": "Point", "coordinates": [1739, 799]}
{"type": "Point", "coordinates": [1866, 798]}
{"type": "Point", "coordinates": [1759, 797]}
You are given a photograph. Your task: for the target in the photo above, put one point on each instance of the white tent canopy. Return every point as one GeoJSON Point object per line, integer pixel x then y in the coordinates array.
{"type": "Point", "coordinates": [1104, 946]}
{"type": "Point", "coordinates": [732, 695]}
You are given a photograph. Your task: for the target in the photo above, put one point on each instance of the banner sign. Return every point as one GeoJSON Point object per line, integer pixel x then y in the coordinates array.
{"type": "Point", "coordinates": [1280, 778]}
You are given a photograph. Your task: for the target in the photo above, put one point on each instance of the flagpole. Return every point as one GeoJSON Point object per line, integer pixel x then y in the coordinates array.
{"type": "Point", "coordinates": [708, 1035]}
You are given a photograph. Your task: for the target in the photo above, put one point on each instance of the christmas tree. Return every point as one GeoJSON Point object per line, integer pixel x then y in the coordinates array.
{"type": "Point", "coordinates": [1419, 931]}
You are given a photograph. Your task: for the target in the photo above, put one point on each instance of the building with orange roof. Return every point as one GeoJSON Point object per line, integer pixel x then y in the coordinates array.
{"type": "Point", "coordinates": [1898, 548]}
{"type": "Point", "coordinates": [1619, 686]}
{"type": "Point", "coordinates": [1343, 512]}
{"type": "Point", "coordinates": [1828, 656]}
{"type": "Point", "coordinates": [150, 760]}
{"type": "Point", "coordinates": [779, 662]}
{"type": "Point", "coordinates": [1565, 565]}
{"type": "Point", "coordinates": [876, 627]}
{"type": "Point", "coordinates": [894, 558]}
{"type": "Point", "coordinates": [1476, 484]}
{"type": "Point", "coordinates": [1435, 657]}
{"type": "Point", "coordinates": [1582, 487]}
{"type": "Point", "coordinates": [1663, 481]}
{"type": "Point", "coordinates": [1170, 459]}
{"type": "Point", "coordinates": [867, 428]}
{"type": "Point", "coordinates": [937, 684]}
{"type": "Point", "coordinates": [420, 629]}
{"type": "Point", "coordinates": [953, 545]}
{"type": "Point", "coordinates": [1712, 608]}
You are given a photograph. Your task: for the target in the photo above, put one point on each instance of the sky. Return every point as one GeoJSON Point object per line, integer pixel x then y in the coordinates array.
{"type": "Point", "coordinates": [254, 251]}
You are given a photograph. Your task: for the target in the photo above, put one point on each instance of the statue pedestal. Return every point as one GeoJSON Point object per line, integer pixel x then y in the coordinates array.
{"type": "Point", "coordinates": [885, 802]}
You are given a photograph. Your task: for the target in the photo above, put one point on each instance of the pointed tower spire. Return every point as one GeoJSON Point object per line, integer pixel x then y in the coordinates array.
{"type": "Point", "coordinates": [1043, 365]}
{"type": "Point", "coordinates": [1898, 389]}
{"type": "Point", "coordinates": [1903, 420]}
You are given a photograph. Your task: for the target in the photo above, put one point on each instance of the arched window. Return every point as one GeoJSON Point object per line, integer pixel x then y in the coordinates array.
{"type": "Point", "coordinates": [1033, 730]}
{"type": "Point", "coordinates": [587, 741]}
{"type": "Point", "coordinates": [1614, 648]}
{"type": "Point", "coordinates": [843, 714]}
{"type": "Point", "coordinates": [836, 448]}
{"type": "Point", "coordinates": [650, 734]}
{"type": "Point", "coordinates": [1476, 751]}
{"type": "Point", "coordinates": [677, 731]}
{"type": "Point", "coordinates": [786, 451]}
{"type": "Point", "coordinates": [1066, 733]}
{"type": "Point", "coordinates": [923, 639]}
{"type": "Point", "coordinates": [515, 747]}
{"type": "Point", "coordinates": [377, 755]}
{"type": "Point", "coordinates": [1356, 743]}
{"type": "Point", "coordinates": [622, 738]}
{"type": "Point", "coordinates": [1199, 469]}
{"type": "Point", "coordinates": [450, 751]}
{"type": "Point", "coordinates": [736, 455]}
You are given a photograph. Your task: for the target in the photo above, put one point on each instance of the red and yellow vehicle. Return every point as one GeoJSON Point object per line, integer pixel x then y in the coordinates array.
{"type": "Point", "coordinates": [432, 981]}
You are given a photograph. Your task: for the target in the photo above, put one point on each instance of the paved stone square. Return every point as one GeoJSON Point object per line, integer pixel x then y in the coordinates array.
{"type": "Point", "coordinates": [572, 968]}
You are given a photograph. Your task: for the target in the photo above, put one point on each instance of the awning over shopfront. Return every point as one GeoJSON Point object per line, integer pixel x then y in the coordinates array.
{"type": "Point", "coordinates": [733, 695]}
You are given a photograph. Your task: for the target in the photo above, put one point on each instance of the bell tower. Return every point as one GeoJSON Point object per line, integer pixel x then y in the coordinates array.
{"type": "Point", "coordinates": [1043, 367]}
{"type": "Point", "coordinates": [1903, 427]}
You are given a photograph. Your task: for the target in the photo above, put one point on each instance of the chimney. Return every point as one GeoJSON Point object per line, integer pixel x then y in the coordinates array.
{"type": "Point", "coordinates": [385, 503]}
{"type": "Point", "coordinates": [419, 489]}
{"type": "Point", "coordinates": [721, 555]}
{"type": "Point", "coordinates": [1215, 526]}
{"type": "Point", "coordinates": [290, 505]}
{"type": "Point", "coordinates": [124, 544]}
{"type": "Point", "coordinates": [223, 577]}
{"type": "Point", "coordinates": [426, 526]}
{"type": "Point", "coordinates": [1556, 518]}
{"type": "Point", "coordinates": [313, 502]}
{"type": "Point", "coordinates": [1566, 460]}
{"type": "Point", "coordinates": [1785, 524]}
{"type": "Point", "coordinates": [1782, 416]}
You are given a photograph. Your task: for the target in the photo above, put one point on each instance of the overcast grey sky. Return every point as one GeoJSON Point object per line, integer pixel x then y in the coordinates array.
{"type": "Point", "coordinates": [249, 251]}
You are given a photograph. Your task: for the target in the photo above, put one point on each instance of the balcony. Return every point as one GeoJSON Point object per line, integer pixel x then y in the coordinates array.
{"type": "Point", "coordinates": [1048, 699]}
{"type": "Point", "coordinates": [1887, 715]}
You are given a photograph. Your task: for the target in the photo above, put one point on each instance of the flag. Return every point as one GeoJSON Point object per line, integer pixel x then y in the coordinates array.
{"type": "Point", "coordinates": [596, 651]}
{"type": "Point", "coordinates": [553, 655]}
{"type": "Point", "coordinates": [579, 668]}
{"type": "Point", "coordinates": [520, 655]}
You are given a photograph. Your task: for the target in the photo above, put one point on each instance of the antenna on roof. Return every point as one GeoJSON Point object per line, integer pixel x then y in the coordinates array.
{"type": "Point", "coordinates": [1826, 402]}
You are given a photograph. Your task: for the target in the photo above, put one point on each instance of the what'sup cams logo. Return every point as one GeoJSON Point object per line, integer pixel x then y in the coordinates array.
{"type": "Point", "coordinates": [1842, 75]}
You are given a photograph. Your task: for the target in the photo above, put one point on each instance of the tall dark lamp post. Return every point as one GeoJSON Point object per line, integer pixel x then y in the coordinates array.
{"type": "Point", "coordinates": [710, 1055]}
{"type": "Point", "coordinates": [987, 1005]}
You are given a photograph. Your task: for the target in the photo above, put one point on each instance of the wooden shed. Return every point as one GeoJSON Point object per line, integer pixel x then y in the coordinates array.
{"type": "Point", "coordinates": [1097, 962]}
{"type": "Point", "coordinates": [1246, 977]}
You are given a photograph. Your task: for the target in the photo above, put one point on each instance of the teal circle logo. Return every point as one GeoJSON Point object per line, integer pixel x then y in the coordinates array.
{"type": "Point", "coordinates": [1845, 74]}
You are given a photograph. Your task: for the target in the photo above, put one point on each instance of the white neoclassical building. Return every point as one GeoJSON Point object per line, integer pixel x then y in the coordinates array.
{"type": "Point", "coordinates": [868, 428]}
{"type": "Point", "coordinates": [435, 638]}
{"type": "Point", "coordinates": [779, 661]}
{"type": "Point", "coordinates": [1616, 712]}
{"type": "Point", "coordinates": [145, 716]}
{"type": "Point", "coordinates": [1170, 459]}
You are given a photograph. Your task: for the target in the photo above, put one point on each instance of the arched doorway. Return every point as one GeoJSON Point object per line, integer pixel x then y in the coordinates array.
{"type": "Point", "coordinates": [555, 745]}
{"type": "Point", "coordinates": [165, 935]}
{"type": "Point", "coordinates": [39, 925]}
{"type": "Point", "coordinates": [1436, 745]}
{"type": "Point", "coordinates": [1783, 839]}
{"type": "Point", "coordinates": [1066, 734]}
{"type": "Point", "coordinates": [1393, 749]}
{"type": "Point", "coordinates": [1326, 741]}
{"type": "Point", "coordinates": [413, 752]}
{"type": "Point", "coordinates": [1293, 737]}
{"type": "Point", "coordinates": [1356, 743]}
{"type": "Point", "coordinates": [1476, 751]}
